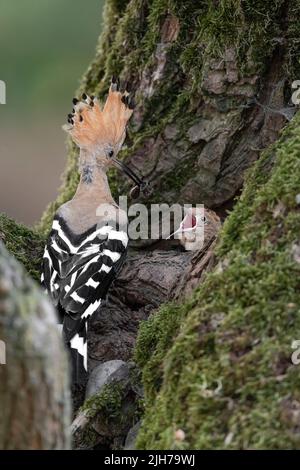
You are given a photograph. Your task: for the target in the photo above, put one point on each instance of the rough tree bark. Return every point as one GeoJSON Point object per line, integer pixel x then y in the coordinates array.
{"type": "Point", "coordinates": [34, 386]}
{"type": "Point", "coordinates": [212, 82]}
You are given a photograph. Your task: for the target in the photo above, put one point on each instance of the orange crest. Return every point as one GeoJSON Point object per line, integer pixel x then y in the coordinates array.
{"type": "Point", "coordinates": [100, 130]}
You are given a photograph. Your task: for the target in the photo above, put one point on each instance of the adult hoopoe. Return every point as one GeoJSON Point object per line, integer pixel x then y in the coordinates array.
{"type": "Point", "coordinates": [88, 240]}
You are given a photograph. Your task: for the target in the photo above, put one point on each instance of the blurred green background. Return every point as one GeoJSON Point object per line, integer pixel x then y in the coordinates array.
{"type": "Point", "coordinates": [45, 47]}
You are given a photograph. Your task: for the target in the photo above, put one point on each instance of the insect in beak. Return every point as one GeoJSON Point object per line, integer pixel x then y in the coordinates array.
{"type": "Point", "coordinates": [135, 192]}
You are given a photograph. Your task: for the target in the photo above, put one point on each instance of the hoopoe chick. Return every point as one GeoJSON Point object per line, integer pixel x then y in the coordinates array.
{"type": "Point", "coordinates": [88, 241]}
{"type": "Point", "coordinates": [198, 227]}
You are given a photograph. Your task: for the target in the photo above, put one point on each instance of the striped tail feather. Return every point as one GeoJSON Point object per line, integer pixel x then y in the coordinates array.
{"type": "Point", "coordinates": [78, 353]}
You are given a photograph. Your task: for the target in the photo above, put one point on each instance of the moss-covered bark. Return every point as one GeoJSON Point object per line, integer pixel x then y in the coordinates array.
{"type": "Point", "coordinates": [203, 74]}
{"type": "Point", "coordinates": [105, 418]}
{"type": "Point", "coordinates": [219, 367]}
{"type": "Point", "coordinates": [24, 243]}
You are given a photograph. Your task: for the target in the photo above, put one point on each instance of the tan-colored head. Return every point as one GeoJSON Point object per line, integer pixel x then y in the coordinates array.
{"type": "Point", "coordinates": [100, 132]}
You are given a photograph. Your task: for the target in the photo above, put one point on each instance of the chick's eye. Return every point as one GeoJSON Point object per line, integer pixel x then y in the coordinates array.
{"type": "Point", "coordinates": [110, 153]}
{"type": "Point", "coordinates": [204, 219]}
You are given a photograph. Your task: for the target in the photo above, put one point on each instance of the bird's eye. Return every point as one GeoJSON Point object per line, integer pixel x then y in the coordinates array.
{"type": "Point", "coordinates": [110, 153]}
{"type": "Point", "coordinates": [204, 219]}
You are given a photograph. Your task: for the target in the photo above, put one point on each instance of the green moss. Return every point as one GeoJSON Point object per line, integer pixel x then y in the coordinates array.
{"type": "Point", "coordinates": [106, 406]}
{"type": "Point", "coordinates": [228, 373]}
{"type": "Point", "coordinates": [107, 402]}
{"type": "Point", "coordinates": [155, 336]}
{"type": "Point", "coordinates": [115, 409]}
{"type": "Point", "coordinates": [25, 244]}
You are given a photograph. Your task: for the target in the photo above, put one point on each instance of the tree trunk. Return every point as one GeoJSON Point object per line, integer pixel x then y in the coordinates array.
{"type": "Point", "coordinates": [212, 82]}
{"type": "Point", "coordinates": [34, 386]}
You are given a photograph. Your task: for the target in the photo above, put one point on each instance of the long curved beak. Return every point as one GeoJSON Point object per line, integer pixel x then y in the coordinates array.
{"type": "Point", "coordinates": [128, 172]}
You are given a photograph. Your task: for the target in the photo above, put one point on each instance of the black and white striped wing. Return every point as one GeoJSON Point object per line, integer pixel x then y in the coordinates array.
{"type": "Point", "coordinates": [77, 271]}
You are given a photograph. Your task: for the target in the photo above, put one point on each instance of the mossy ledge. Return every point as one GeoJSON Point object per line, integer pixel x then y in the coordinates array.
{"type": "Point", "coordinates": [108, 400]}
{"type": "Point", "coordinates": [107, 407]}
{"type": "Point", "coordinates": [219, 367]}
{"type": "Point", "coordinates": [24, 243]}
{"type": "Point", "coordinates": [107, 416]}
